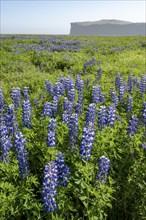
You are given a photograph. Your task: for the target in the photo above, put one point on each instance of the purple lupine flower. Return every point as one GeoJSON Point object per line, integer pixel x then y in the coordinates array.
{"type": "Point", "coordinates": [132, 126]}
{"type": "Point", "coordinates": [87, 141]}
{"type": "Point", "coordinates": [41, 95]}
{"type": "Point", "coordinates": [49, 187]}
{"type": "Point", "coordinates": [68, 108]}
{"type": "Point", "coordinates": [68, 83]}
{"type": "Point", "coordinates": [103, 167]}
{"type": "Point", "coordinates": [1, 98]}
{"type": "Point", "coordinates": [144, 113]}
{"type": "Point", "coordinates": [10, 120]}
{"type": "Point", "coordinates": [58, 89]}
{"type": "Point", "coordinates": [48, 87]}
{"type": "Point", "coordinates": [79, 83]}
{"type": "Point", "coordinates": [111, 115]}
{"type": "Point", "coordinates": [96, 90]}
{"type": "Point", "coordinates": [118, 82]}
{"type": "Point", "coordinates": [25, 93]}
{"type": "Point", "coordinates": [142, 85]}
{"type": "Point", "coordinates": [55, 105]}
{"type": "Point", "coordinates": [5, 144]}
{"type": "Point", "coordinates": [130, 83]}
{"type": "Point", "coordinates": [102, 97]}
{"type": "Point", "coordinates": [114, 98]}
{"type": "Point", "coordinates": [16, 97]}
{"type": "Point", "coordinates": [71, 95]}
{"type": "Point", "coordinates": [51, 137]}
{"type": "Point", "coordinates": [121, 93]}
{"type": "Point", "coordinates": [73, 129]}
{"type": "Point", "coordinates": [47, 111]}
{"type": "Point", "coordinates": [80, 102]}
{"type": "Point", "coordinates": [129, 104]}
{"type": "Point", "coordinates": [102, 117]}
{"type": "Point", "coordinates": [63, 170]}
{"type": "Point", "coordinates": [26, 113]}
{"type": "Point", "coordinates": [22, 156]}
{"type": "Point", "coordinates": [1, 107]}
{"type": "Point", "coordinates": [91, 113]}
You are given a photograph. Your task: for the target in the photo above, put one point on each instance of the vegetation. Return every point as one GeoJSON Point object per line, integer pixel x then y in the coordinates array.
{"type": "Point", "coordinates": [73, 128]}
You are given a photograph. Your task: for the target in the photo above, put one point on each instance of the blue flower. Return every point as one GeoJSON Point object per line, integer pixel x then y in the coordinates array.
{"type": "Point", "coordinates": [16, 97]}
{"type": "Point", "coordinates": [111, 116]}
{"type": "Point", "coordinates": [25, 93]}
{"type": "Point", "coordinates": [63, 170]}
{"type": "Point", "coordinates": [51, 137]}
{"type": "Point", "coordinates": [144, 113]}
{"type": "Point", "coordinates": [91, 113]}
{"type": "Point", "coordinates": [87, 141]}
{"type": "Point", "coordinates": [21, 152]}
{"type": "Point", "coordinates": [5, 143]}
{"type": "Point", "coordinates": [26, 113]}
{"type": "Point", "coordinates": [96, 91]}
{"type": "Point", "coordinates": [132, 125]}
{"type": "Point", "coordinates": [103, 167]}
{"type": "Point", "coordinates": [49, 186]}
{"type": "Point", "coordinates": [10, 120]}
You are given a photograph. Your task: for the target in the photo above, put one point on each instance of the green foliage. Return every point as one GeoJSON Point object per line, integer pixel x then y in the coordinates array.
{"type": "Point", "coordinates": [124, 192]}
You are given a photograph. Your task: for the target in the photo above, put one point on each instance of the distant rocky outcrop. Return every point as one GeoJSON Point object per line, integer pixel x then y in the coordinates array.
{"type": "Point", "coordinates": [108, 28]}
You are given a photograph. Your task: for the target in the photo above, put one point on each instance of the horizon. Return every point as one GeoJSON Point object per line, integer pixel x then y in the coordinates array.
{"type": "Point", "coordinates": [55, 17]}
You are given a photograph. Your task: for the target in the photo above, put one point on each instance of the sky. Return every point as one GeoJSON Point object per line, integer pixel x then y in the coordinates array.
{"type": "Point", "coordinates": [54, 17]}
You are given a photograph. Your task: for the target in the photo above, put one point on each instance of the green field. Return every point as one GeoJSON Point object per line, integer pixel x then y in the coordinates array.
{"type": "Point", "coordinates": [52, 67]}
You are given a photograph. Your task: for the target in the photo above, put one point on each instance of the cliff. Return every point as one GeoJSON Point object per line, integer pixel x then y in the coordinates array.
{"type": "Point", "coordinates": [108, 28]}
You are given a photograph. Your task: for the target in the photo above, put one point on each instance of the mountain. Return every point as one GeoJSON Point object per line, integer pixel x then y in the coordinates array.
{"type": "Point", "coordinates": [106, 27]}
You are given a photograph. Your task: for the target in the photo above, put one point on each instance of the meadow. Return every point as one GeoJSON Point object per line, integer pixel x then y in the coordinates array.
{"type": "Point", "coordinates": [72, 128]}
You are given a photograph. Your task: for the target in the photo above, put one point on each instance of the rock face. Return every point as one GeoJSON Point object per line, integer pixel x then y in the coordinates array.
{"type": "Point", "coordinates": [108, 28]}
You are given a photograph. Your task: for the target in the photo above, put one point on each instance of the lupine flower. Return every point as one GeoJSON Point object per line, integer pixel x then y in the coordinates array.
{"type": "Point", "coordinates": [55, 105]}
{"type": "Point", "coordinates": [73, 128]}
{"type": "Point", "coordinates": [47, 109]}
{"type": "Point", "coordinates": [102, 117]}
{"type": "Point", "coordinates": [91, 113]}
{"type": "Point", "coordinates": [102, 97]}
{"type": "Point", "coordinates": [49, 186]}
{"type": "Point", "coordinates": [1, 98]}
{"type": "Point", "coordinates": [71, 94]}
{"type": "Point", "coordinates": [132, 126]}
{"type": "Point", "coordinates": [143, 85]}
{"type": "Point", "coordinates": [26, 113]}
{"type": "Point", "coordinates": [1, 107]}
{"type": "Point", "coordinates": [21, 152]}
{"type": "Point", "coordinates": [114, 98]}
{"type": "Point", "coordinates": [48, 87]}
{"type": "Point", "coordinates": [96, 90]}
{"type": "Point", "coordinates": [25, 93]}
{"type": "Point", "coordinates": [68, 108]}
{"type": "Point", "coordinates": [103, 167]}
{"type": "Point", "coordinates": [5, 144]}
{"type": "Point", "coordinates": [121, 93]}
{"type": "Point", "coordinates": [79, 83]}
{"type": "Point", "coordinates": [129, 104]}
{"type": "Point", "coordinates": [80, 102]}
{"type": "Point", "coordinates": [63, 170]}
{"type": "Point", "coordinates": [144, 113]}
{"type": "Point", "coordinates": [68, 83]}
{"type": "Point", "coordinates": [58, 89]}
{"type": "Point", "coordinates": [111, 115]}
{"type": "Point", "coordinates": [16, 97]}
{"type": "Point", "coordinates": [118, 82]}
{"type": "Point", "coordinates": [51, 138]}
{"type": "Point", "coordinates": [87, 141]}
{"type": "Point", "coordinates": [10, 120]}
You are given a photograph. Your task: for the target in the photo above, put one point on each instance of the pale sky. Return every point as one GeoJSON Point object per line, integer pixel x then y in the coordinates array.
{"type": "Point", "coordinates": [54, 17]}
